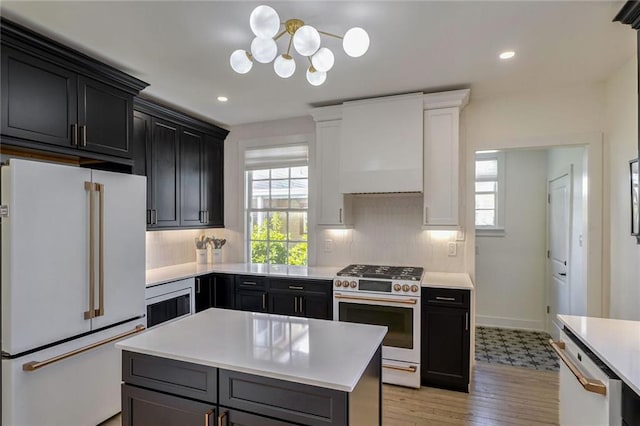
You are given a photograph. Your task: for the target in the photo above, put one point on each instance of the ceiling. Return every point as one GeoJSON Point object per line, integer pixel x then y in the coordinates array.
{"type": "Point", "coordinates": [182, 49]}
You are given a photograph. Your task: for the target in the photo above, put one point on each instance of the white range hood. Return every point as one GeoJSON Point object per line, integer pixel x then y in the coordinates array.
{"type": "Point", "coordinates": [381, 149]}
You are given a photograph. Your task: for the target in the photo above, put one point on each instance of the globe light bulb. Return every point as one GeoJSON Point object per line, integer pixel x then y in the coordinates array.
{"type": "Point", "coordinates": [315, 77]}
{"type": "Point", "coordinates": [264, 21]}
{"type": "Point", "coordinates": [306, 40]}
{"type": "Point", "coordinates": [264, 50]}
{"type": "Point", "coordinates": [323, 59]}
{"type": "Point", "coordinates": [284, 66]}
{"type": "Point", "coordinates": [356, 42]}
{"type": "Point", "coordinates": [240, 61]}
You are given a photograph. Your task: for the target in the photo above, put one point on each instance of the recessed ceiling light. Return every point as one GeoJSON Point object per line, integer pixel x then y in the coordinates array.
{"type": "Point", "coordinates": [223, 98]}
{"type": "Point", "coordinates": [507, 54]}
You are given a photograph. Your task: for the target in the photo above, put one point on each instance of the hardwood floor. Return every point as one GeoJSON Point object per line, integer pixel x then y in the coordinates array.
{"type": "Point", "coordinates": [500, 395]}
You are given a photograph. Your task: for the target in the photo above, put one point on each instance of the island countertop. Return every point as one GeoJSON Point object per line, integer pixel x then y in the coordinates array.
{"type": "Point", "coordinates": [615, 342]}
{"type": "Point", "coordinates": [187, 270]}
{"type": "Point", "coordinates": [329, 354]}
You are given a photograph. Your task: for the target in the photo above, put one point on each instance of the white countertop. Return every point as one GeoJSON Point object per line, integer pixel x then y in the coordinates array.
{"type": "Point", "coordinates": [615, 342]}
{"type": "Point", "coordinates": [188, 270]}
{"type": "Point", "coordinates": [329, 354]}
{"type": "Point", "coordinates": [447, 280]}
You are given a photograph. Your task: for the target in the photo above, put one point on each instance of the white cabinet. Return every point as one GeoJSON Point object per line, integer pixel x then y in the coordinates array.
{"type": "Point", "coordinates": [333, 207]}
{"type": "Point", "coordinates": [442, 159]}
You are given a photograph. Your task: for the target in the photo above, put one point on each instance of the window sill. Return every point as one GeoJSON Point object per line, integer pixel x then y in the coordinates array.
{"type": "Point", "coordinates": [490, 232]}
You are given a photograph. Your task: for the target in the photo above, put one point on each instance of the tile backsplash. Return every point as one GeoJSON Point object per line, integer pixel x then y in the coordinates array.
{"type": "Point", "coordinates": [166, 248]}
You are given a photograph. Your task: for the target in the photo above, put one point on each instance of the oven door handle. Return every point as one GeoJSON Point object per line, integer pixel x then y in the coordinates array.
{"type": "Point", "coordinates": [378, 299]}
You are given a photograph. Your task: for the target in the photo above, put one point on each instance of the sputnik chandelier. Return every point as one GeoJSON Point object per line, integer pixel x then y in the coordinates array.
{"type": "Point", "coordinates": [265, 24]}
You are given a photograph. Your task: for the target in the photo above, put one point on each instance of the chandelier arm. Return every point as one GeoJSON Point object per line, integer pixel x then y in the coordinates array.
{"type": "Point", "coordinates": [330, 34]}
{"type": "Point", "coordinates": [280, 35]}
{"type": "Point", "coordinates": [289, 48]}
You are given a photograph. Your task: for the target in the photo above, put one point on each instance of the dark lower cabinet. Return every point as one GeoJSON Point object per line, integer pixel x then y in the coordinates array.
{"type": "Point", "coordinates": [143, 407]}
{"type": "Point", "coordinates": [252, 300]}
{"type": "Point", "coordinates": [215, 291]}
{"type": "Point", "coordinates": [630, 406]}
{"type": "Point", "coordinates": [301, 297]}
{"type": "Point", "coordinates": [230, 417]}
{"type": "Point", "coordinates": [445, 338]}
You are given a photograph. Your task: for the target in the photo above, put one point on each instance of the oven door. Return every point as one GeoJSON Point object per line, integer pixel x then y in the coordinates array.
{"type": "Point", "coordinates": [400, 314]}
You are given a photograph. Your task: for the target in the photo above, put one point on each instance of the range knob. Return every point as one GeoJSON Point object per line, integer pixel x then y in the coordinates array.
{"type": "Point", "coordinates": [397, 287]}
{"type": "Point", "coordinates": [338, 283]}
{"type": "Point", "coordinates": [414, 288]}
{"type": "Point", "coordinates": [353, 284]}
{"type": "Point", "coordinates": [405, 287]}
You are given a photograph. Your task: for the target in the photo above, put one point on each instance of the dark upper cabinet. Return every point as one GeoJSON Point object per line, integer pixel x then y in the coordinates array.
{"type": "Point", "coordinates": [445, 338]}
{"type": "Point", "coordinates": [39, 100]}
{"type": "Point", "coordinates": [58, 100]}
{"type": "Point", "coordinates": [191, 181]}
{"type": "Point", "coordinates": [213, 174]}
{"type": "Point", "coordinates": [165, 177]}
{"type": "Point", "coordinates": [105, 117]}
{"type": "Point", "coordinates": [183, 162]}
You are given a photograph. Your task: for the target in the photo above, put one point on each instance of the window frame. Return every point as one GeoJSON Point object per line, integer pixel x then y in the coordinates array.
{"type": "Point", "coordinates": [248, 209]}
{"type": "Point", "coordinates": [497, 230]}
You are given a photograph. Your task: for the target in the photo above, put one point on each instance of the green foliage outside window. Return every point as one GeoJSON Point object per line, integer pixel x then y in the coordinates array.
{"type": "Point", "coordinates": [270, 229]}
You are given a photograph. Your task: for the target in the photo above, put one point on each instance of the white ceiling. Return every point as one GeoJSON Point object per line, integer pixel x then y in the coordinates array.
{"type": "Point", "coordinates": [182, 48]}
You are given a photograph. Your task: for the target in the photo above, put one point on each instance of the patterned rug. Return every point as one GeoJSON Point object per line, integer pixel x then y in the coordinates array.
{"type": "Point", "coordinates": [520, 348]}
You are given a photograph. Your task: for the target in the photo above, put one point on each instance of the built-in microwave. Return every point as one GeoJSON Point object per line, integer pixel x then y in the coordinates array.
{"type": "Point", "coordinates": [169, 301]}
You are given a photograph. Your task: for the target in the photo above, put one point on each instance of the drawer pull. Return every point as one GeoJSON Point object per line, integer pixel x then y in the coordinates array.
{"type": "Point", "coordinates": [446, 299]}
{"type": "Point", "coordinates": [296, 287]}
{"type": "Point", "coordinates": [248, 283]}
{"type": "Point", "coordinates": [409, 369]}
{"type": "Point", "coordinates": [590, 385]}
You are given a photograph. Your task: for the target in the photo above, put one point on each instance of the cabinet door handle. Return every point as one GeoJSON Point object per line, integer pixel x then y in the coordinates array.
{"type": "Point", "coordinates": [207, 416]}
{"type": "Point", "coordinates": [466, 321]}
{"type": "Point", "coordinates": [295, 303]}
{"type": "Point", "coordinates": [301, 307]}
{"type": "Point", "coordinates": [206, 216]}
{"type": "Point", "coordinates": [148, 216]}
{"type": "Point", "coordinates": [200, 214]}
{"type": "Point", "coordinates": [221, 416]}
{"type": "Point", "coordinates": [83, 129]}
{"type": "Point", "coordinates": [264, 301]}
{"type": "Point", "coordinates": [197, 285]}
{"type": "Point", "coordinates": [340, 215]}
{"type": "Point", "coordinates": [74, 135]}
{"type": "Point", "coordinates": [296, 287]}
{"type": "Point", "coordinates": [426, 215]}
{"type": "Point", "coordinates": [446, 299]}
{"type": "Point", "coordinates": [155, 217]}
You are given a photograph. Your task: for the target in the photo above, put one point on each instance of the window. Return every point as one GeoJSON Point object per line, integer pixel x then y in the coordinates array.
{"type": "Point", "coordinates": [489, 191]}
{"type": "Point", "coordinates": [277, 205]}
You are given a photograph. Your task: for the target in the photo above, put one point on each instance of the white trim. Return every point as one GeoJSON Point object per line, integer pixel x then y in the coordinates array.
{"type": "Point", "coordinates": [516, 323]}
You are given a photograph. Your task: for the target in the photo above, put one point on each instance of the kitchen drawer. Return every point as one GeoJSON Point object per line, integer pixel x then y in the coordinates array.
{"type": "Point", "coordinates": [445, 297]}
{"type": "Point", "coordinates": [251, 282]}
{"type": "Point", "coordinates": [175, 377]}
{"type": "Point", "coordinates": [289, 401]}
{"type": "Point", "coordinates": [315, 286]}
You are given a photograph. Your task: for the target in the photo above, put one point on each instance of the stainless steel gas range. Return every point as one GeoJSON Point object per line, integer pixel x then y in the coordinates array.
{"type": "Point", "coordinates": [388, 296]}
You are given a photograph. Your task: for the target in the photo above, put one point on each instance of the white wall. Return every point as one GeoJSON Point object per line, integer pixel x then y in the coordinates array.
{"type": "Point", "coordinates": [621, 139]}
{"type": "Point", "coordinates": [560, 161]}
{"type": "Point", "coordinates": [510, 269]}
{"type": "Point", "coordinates": [557, 117]}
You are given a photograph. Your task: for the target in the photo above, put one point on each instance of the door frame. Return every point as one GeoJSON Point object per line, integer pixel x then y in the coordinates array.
{"type": "Point", "coordinates": [597, 288]}
{"type": "Point", "coordinates": [547, 269]}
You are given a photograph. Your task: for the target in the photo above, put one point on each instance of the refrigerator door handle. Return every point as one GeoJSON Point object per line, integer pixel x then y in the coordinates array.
{"type": "Point", "coordinates": [100, 311]}
{"type": "Point", "coordinates": [35, 365]}
{"type": "Point", "coordinates": [90, 313]}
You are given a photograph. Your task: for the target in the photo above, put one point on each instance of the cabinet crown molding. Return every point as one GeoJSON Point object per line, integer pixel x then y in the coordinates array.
{"type": "Point", "coordinates": [454, 98]}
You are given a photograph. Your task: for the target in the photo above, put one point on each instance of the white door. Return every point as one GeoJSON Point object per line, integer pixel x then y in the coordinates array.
{"type": "Point", "coordinates": [559, 230]}
{"type": "Point", "coordinates": [45, 262]}
{"type": "Point", "coordinates": [123, 246]}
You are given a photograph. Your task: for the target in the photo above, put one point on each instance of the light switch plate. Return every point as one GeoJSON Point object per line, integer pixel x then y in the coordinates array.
{"type": "Point", "coordinates": [452, 249]}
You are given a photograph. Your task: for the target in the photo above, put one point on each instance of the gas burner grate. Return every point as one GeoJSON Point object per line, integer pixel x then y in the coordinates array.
{"type": "Point", "coordinates": [406, 273]}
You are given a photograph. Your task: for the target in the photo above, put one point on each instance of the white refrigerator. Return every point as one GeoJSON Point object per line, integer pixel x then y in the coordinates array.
{"type": "Point", "coordinates": [73, 281]}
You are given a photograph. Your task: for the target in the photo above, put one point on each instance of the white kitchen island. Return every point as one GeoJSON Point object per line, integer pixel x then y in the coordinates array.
{"type": "Point", "coordinates": [251, 368]}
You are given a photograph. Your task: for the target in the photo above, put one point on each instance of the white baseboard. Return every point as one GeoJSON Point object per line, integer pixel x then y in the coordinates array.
{"type": "Point", "coordinates": [520, 324]}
